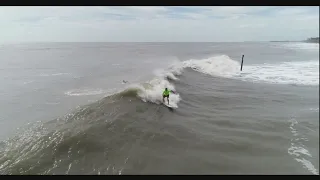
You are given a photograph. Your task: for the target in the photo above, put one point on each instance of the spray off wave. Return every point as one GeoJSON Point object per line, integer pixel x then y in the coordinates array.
{"type": "Point", "coordinates": [222, 66]}
{"type": "Point", "coordinates": [152, 91]}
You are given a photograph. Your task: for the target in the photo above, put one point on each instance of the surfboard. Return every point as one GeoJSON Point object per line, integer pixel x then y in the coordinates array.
{"type": "Point", "coordinates": [169, 105]}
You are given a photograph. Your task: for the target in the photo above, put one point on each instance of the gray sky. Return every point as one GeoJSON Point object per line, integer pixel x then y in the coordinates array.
{"type": "Point", "coordinates": [157, 24]}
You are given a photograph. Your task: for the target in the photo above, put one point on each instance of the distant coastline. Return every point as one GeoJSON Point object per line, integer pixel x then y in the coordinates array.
{"type": "Point", "coordinates": [309, 40]}
{"type": "Point", "coordinates": [285, 41]}
{"type": "Point", "coordinates": [313, 40]}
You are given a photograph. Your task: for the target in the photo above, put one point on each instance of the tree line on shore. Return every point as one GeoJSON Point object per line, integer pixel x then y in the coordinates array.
{"type": "Point", "coordinates": [313, 40]}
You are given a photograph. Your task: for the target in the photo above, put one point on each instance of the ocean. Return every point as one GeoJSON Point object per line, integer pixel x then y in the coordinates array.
{"type": "Point", "coordinates": [95, 108]}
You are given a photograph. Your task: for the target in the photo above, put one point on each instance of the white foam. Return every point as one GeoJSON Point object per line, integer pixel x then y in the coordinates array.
{"type": "Point", "coordinates": [216, 66]}
{"type": "Point", "coordinates": [294, 150]}
{"type": "Point", "coordinates": [28, 82]}
{"type": "Point", "coordinates": [152, 92]}
{"type": "Point", "coordinates": [298, 150]}
{"type": "Point", "coordinates": [165, 74]}
{"type": "Point", "coordinates": [302, 46]}
{"type": "Point", "coordinates": [308, 165]}
{"type": "Point", "coordinates": [54, 74]}
{"type": "Point", "coordinates": [52, 103]}
{"type": "Point", "coordinates": [314, 109]}
{"type": "Point", "coordinates": [84, 92]}
{"type": "Point", "coordinates": [302, 73]}
{"type": "Point", "coordinates": [176, 68]}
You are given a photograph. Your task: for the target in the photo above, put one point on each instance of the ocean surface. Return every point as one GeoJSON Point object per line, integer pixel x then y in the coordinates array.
{"type": "Point", "coordinates": [95, 108]}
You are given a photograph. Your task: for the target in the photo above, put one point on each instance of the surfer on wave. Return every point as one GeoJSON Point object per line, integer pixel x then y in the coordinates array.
{"type": "Point", "coordinates": [166, 93]}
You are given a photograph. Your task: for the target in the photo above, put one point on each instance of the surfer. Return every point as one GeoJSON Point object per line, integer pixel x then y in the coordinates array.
{"type": "Point", "coordinates": [165, 94]}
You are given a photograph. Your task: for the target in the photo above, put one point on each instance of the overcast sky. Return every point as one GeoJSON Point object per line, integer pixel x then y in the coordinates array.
{"type": "Point", "coordinates": [157, 24]}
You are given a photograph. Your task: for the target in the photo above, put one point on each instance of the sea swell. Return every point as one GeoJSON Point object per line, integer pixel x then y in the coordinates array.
{"type": "Point", "coordinates": [102, 137]}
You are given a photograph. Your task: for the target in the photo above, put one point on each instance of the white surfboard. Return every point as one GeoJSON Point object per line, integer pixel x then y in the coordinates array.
{"type": "Point", "coordinates": [170, 105]}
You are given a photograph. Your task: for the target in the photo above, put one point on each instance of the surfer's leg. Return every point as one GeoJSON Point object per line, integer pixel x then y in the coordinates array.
{"type": "Point", "coordinates": [168, 99]}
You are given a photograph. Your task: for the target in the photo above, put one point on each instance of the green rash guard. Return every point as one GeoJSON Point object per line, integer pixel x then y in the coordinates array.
{"type": "Point", "coordinates": [166, 93]}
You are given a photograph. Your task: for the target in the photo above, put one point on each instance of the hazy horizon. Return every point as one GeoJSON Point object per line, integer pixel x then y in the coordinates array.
{"type": "Point", "coordinates": [8, 43]}
{"type": "Point", "coordinates": [158, 24]}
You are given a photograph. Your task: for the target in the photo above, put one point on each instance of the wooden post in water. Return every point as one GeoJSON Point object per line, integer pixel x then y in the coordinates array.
{"type": "Point", "coordinates": [242, 62]}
